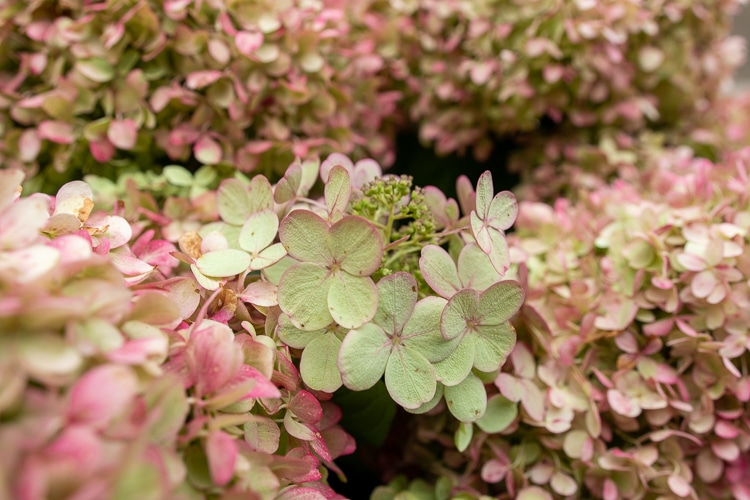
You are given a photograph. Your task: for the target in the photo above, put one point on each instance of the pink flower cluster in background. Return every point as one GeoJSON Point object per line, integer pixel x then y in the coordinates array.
{"type": "Point", "coordinates": [107, 87]}
{"type": "Point", "coordinates": [110, 88]}
{"type": "Point", "coordinates": [472, 71]}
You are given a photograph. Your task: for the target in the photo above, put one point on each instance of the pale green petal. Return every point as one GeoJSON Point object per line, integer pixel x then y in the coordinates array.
{"type": "Point", "coordinates": [503, 210]}
{"type": "Point", "coordinates": [485, 191]}
{"type": "Point", "coordinates": [467, 401]}
{"type": "Point", "coordinates": [501, 412]}
{"type": "Point", "coordinates": [494, 344]}
{"type": "Point", "coordinates": [498, 252]}
{"type": "Point", "coordinates": [305, 236]}
{"type": "Point", "coordinates": [453, 369]}
{"type": "Point", "coordinates": [223, 263]}
{"type": "Point", "coordinates": [233, 202]}
{"type": "Point", "coordinates": [463, 435]}
{"type": "Point", "coordinates": [397, 294]}
{"type": "Point", "coordinates": [303, 295]}
{"type": "Point", "coordinates": [318, 365]}
{"type": "Point", "coordinates": [356, 245]}
{"type": "Point", "coordinates": [338, 189]}
{"type": "Point", "coordinates": [460, 310]}
{"type": "Point", "coordinates": [439, 271]}
{"type": "Point", "coordinates": [481, 232]}
{"type": "Point", "coordinates": [259, 231]}
{"type": "Point", "coordinates": [268, 257]}
{"type": "Point", "coordinates": [409, 378]}
{"type": "Point", "coordinates": [475, 269]}
{"type": "Point", "coordinates": [288, 186]}
{"type": "Point", "coordinates": [352, 300]}
{"type": "Point", "coordinates": [293, 336]}
{"type": "Point", "coordinates": [260, 194]}
{"type": "Point", "coordinates": [500, 302]}
{"type": "Point", "coordinates": [429, 405]}
{"type": "Point", "coordinates": [203, 280]}
{"type": "Point", "coordinates": [275, 272]}
{"type": "Point", "coordinates": [422, 331]}
{"type": "Point", "coordinates": [48, 356]}
{"type": "Point", "coordinates": [363, 356]}
{"type": "Point", "coordinates": [178, 175]}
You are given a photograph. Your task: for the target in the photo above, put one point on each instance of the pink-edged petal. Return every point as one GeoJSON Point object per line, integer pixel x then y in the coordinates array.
{"type": "Point", "coordinates": [24, 266]}
{"type": "Point", "coordinates": [503, 211]}
{"type": "Point", "coordinates": [200, 79]}
{"type": "Point", "coordinates": [75, 197]}
{"type": "Point", "coordinates": [57, 131]}
{"type": "Point", "coordinates": [484, 195]}
{"type": "Point", "coordinates": [494, 471]}
{"type": "Point", "coordinates": [509, 387]}
{"type": "Point", "coordinates": [703, 284]}
{"type": "Point", "coordinates": [131, 266]}
{"type": "Point", "coordinates": [102, 150]}
{"type": "Point", "coordinates": [333, 160]}
{"type": "Point", "coordinates": [113, 227]}
{"type": "Point", "coordinates": [622, 404]}
{"type": "Point", "coordinates": [691, 262]}
{"type": "Point", "coordinates": [158, 253]}
{"type": "Point", "coordinates": [29, 145]}
{"type": "Point", "coordinates": [221, 451]}
{"type": "Point", "coordinates": [101, 394]}
{"type": "Point", "coordinates": [481, 233]}
{"type": "Point", "coordinates": [439, 271]}
{"type": "Point", "coordinates": [258, 231]}
{"type": "Point", "coordinates": [80, 445]}
{"type": "Point", "coordinates": [263, 387]}
{"type": "Point", "coordinates": [138, 351]}
{"type": "Point", "coordinates": [268, 257]}
{"type": "Point", "coordinates": [306, 407]}
{"type": "Point", "coordinates": [123, 134]}
{"type": "Point", "coordinates": [338, 190]}
{"type": "Point", "coordinates": [207, 151]}
{"type": "Point", "coordinates": [356, 245]}
{"type": "Point", "coordinates": [247, 42]}
{"type": "Point", "coordinates": [305, 237]}
{"type": "Point", "coordinates": [365, 171]}
{"type": "Point", "coordinates": [339, 442]}
{"type": "Point", "coordinates": [397, 295]}
{"type": "Point", "coordinates": [260, 293]}
{"type": "Point", "coordinates": [214, 359]}
{"type": "Point", "coordinates": [532, 400]}
{"type": "Point", "coordinates": [10, 186]}
{"type": "Point", "coordinates": [21, 222]}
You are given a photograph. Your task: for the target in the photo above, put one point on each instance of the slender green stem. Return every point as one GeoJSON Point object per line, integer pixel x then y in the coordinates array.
{"type": "Point", "coordinates": [389, 225]}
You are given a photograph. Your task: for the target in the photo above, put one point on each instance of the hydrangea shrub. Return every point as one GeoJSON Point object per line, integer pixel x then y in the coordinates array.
{"type": "Point", "coordinates": [147, 356]}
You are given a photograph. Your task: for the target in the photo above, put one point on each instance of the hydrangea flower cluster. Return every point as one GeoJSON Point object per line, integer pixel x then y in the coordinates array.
{"type": "Point", "coordinates": [123, 378]}
{"type": "Point", "coordinates": [472, 70]}
{"type": "Point", "coordinates": [630, 376]}
{"type": "Point", "coordinates": [107, 87]}
{"type": "Point", "coordinates": [145, 355]}
{"type": "Point", "coordinates": [565, 163]}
